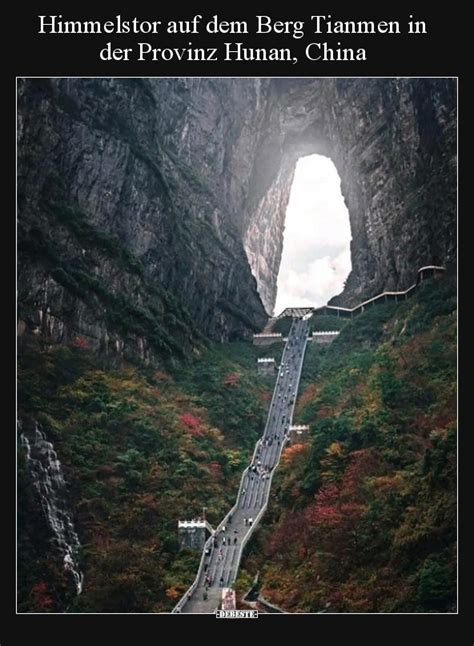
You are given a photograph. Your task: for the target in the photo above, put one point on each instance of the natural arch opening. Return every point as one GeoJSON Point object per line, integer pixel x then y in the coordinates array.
{"type": "Point", "coordinates": [316, 257]}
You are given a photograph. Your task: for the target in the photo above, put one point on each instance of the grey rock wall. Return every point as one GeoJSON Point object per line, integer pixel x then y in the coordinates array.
{"type": "Point", "coordinates": [393, 142]}
{"type": "Point", "coordinates": [151, 211]}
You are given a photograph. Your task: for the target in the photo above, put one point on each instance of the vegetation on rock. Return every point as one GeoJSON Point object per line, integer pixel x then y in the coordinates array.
{"type": "Point", "coordinates": [363, 515]}
{"type": "Point", "coordinates": [141, 448]}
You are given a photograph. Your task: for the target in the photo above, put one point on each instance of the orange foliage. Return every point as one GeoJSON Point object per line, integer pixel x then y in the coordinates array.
{"type": "Point", "coordinates": [387, 483]}
{"type": "Point", "coordinates": [325, 411]}
{"type": "Point", "coordinates": [291, 452]}
{"type": "Point", "coordinates": [162, 376]}
{"type": "Point", "coordinates": [172, 593]}
{"type": "Point", "coordinates": [310, 393]}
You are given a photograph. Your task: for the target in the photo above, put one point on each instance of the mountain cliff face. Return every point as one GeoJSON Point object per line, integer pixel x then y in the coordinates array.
{"type": "Point", "coordinates": [151, 211]}
{"type": "Point", "coordinates": [393, 142]}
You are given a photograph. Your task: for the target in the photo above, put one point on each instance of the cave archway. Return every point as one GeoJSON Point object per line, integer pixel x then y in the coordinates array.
{"type": "Point", "coordinates": [316, 241]}
{"type": "Point", "coordinates": [393, 145]}
{"type": "Point", "coordinates": [191, 176]}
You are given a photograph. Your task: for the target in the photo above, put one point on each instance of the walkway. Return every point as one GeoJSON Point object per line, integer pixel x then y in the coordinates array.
{"type": "Point", "coordinates": [349, 312]}
{"type": "Point", "coordinates": [223, 551]}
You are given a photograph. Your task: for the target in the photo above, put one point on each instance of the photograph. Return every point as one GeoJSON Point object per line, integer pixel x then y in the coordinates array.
{"type": "Point", "coordinates": [237, 345]}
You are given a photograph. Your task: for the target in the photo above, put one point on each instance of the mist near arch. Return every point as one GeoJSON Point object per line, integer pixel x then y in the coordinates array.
{"type": "Point", "coordinates": [316, 257]}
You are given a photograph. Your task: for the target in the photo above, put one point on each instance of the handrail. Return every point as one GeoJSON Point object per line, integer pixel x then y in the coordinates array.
{"type": "Point", "coordinates": [189, 592]}
{"type": "Point", "coordinates": [267, 334]}
{"type": "Point", "coordinates": [267, 495]}
{"type": "Point", "coordinates": [210, 541]}
{"type": "Point", "coordinates": [194, 584]}
{"type": "Point", "coordinates": [367, 302]}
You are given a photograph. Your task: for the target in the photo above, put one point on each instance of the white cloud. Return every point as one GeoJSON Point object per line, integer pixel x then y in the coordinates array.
{"type": "Point", "coordinates": [316, 245]}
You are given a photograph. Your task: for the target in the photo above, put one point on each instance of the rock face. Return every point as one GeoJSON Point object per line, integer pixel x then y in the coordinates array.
{"type": "Point", "coordinates": [128, 238]}
{"type": "Point", "coordinates": [393, 142]}
{"type": "Point", "coordinates": [151, 211]}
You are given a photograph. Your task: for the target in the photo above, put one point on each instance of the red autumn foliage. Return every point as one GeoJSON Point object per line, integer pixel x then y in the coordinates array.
{"type": "Point", "coordinates": [231, 378]}
{"type": "Point", "coordinates": [264, 396]}
{"type": "Point", "coordinates": [80, 342]}
{"type": "Point", "coordinates": [363, 463]}
{"type": "Point", "coordinates": [341, 505]}
{"type": "Point", "coordinates": [41, 599]}
{"type": "Point", "coordinates": [336, 597]}
{"type": "Point", "coordinates": [293, 525]}
{"type": "Point", "coordinates": [215, 468]}
{"type": "Point", "coordinates": [191, 423]}
{"type": "Point", "coordinates": [325, 509]}
{"type": "Point", "coordinates": [325, 411]}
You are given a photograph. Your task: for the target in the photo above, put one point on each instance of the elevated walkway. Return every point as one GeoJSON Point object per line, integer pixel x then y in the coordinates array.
{"type": "Point", "coordinates": [222, 552]}
{"type": "Point", "coordinates": [349, 312]}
